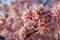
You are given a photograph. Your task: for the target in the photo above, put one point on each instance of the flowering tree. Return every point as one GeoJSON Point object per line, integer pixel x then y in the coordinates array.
{"type": "Point", "coordinates": [30, 20]}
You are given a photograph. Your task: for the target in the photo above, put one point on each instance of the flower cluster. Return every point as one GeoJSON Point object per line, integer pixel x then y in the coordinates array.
{"type": "Point", "coordinates": [24, 20]}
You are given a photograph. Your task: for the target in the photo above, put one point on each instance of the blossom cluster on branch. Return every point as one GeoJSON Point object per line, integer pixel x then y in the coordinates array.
{"type": "Point", "coordinates": [25, 20]}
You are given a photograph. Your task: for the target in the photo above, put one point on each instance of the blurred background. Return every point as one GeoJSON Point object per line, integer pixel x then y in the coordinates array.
{"type": "Point", "coordinates": [6, 4]}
